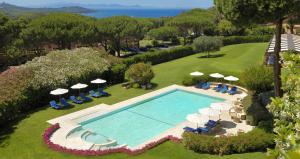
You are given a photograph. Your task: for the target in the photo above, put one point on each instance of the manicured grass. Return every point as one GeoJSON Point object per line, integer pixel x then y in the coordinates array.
{"type": "Point", "coordinates": [23, 139]}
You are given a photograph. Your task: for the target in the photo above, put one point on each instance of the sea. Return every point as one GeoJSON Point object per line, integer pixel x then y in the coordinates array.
{"type": "Point", "coordinates": [138, 13]}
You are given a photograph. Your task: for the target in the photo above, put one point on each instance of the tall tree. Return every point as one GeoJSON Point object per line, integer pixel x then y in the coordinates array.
{"type": "Point", "coordinates": [4, 30]}
{"type": "Point", "coordinates": [245, 12]}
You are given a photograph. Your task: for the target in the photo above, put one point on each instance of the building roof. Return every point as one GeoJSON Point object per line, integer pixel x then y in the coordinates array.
{"type": "Point", "coordinates": [288, 42]}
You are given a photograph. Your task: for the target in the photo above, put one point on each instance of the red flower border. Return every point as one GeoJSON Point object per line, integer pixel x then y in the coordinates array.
{"type": "Point", "coordinates": [47, 134]}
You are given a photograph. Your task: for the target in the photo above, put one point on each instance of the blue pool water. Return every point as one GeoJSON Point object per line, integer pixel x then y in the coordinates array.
{"type": "Point", "coordinates": [142, 121]}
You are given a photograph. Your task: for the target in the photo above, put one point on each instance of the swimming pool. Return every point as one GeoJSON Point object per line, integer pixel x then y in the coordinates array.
{"type": "Point", "coordinates": [139, 122]}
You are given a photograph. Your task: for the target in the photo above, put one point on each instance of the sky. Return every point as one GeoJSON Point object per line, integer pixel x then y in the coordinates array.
{"type": "Point", "coordinates": [147, 3]}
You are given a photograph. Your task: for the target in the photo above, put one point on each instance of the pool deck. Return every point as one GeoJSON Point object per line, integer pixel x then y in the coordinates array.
{"type": "Point", "coordinates": [72, 121]}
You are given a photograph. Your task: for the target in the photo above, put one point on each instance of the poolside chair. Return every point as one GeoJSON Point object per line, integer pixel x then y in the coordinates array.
{"type": "Point", "coordinates": [200, 85]}
{"type": "Point", "coordinates": [84, 98]}
{"type": "Point", "coordinates": [189, 129]}
{"type": "Point", "coordinates": [101, 91]}
{"type": "Point", "coordinates": [94, 94]}
{"type": "Point", "coordinates": [198, 130]}
{"type": "Point", "coordinates": [207, 86]}
{"type": "Point", "coordinates": [224, 89]}
{"type": "Point", "coordinates": [232, 91]}
{"type": "Point", "coordinates": [54, 105]}
{"type": "Point", "coordinates": [75, 100]}
{"type": "Point", "coordinates": [64, 102]}
{"type": "Point", "coordinates": [211, 124]}
{"type": "Point", "coordinates": [218, 87]}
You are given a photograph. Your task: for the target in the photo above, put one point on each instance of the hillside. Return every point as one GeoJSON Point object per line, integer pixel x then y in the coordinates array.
{"type": "Point", "coordinates": [15, 11]}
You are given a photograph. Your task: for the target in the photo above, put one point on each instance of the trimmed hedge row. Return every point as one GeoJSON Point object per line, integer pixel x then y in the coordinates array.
{"type": "Point", "coordinates": [230, 40]}
{"type": "Point", "coordinates": [255, 140]}
{"type": "Point", "coordinates": [160, 56]}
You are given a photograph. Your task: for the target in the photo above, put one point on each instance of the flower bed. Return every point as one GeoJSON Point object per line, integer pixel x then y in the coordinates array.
{"type": "Point", "coordinates": [56, 147]}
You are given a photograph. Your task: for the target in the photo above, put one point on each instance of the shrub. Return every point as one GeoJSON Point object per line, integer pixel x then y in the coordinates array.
{"type": "Point", "coordinates": [13, 98]}
{"type": "Point", "coordinates": [261, 30]}
{"type": "Point", "coordinates": [255, 140]}
{"type": "Point", "coordinates": [258, 79]}
{"type": "Point", "coordinates": [207, 44]}
{"type": "Point", "coordinates": [230, 40]}
{"type": "Point", "coordinates": [140, 74]}
{"type": "Point", "coordinates": [158, 57]}
{"type": "Point", "coordinates": [255, 111]}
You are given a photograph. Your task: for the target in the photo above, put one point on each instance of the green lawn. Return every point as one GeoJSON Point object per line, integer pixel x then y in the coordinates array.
{"type": "Point", "coordinates": [23, 139]}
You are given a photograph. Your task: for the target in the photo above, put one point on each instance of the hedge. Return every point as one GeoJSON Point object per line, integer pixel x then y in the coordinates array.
{"type": "Point", "coordinates": [230, 40]}
{"type": "Point", "coordinates": [255, 140]}
{"type": "Point", "coordinates": [160, 56]}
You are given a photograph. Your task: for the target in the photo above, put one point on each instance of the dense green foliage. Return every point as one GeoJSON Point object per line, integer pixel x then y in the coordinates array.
{"type": "Point", "coordinates": [255, 140]}
{"type": "Point", "coordinates": [140, 74]}
{"type": "Point", "coordinates": [207, 44]}
{"type": "Point", "coordinates": [286, 109]}
{"type": "Point", "coordinates": [60, 29]}
{"type": "Point", "coordinates": [258, 79]}
{"type": "Point", "coordinates": [193, 23]}
{"type": "Point", "coordinates": [230, 40]}
{"type": "Point", "coordinates": [163, 33]}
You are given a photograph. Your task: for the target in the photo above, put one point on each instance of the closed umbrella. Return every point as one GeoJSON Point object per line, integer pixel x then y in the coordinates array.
{"type": "Point", "coordinates": [209, 112]}
{"type": "Point", "coordinates": [98, 81]}
{"type": "Point", "coordinates": [196, 73]}
{"type": "Point", "coordinates": [222, 106]}
{"type": "Point", "coordinates": [79, 86]}
{"type": "Point", "coordinates": [59, 92]}
{"type": "Point", "coordinates": [200, 120]}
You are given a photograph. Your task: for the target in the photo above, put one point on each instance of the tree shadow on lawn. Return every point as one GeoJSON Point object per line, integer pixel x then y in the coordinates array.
{"type": "Point", "coordinates": [212, 56]}
{"type": "Point", "coordinates": [9, 128]}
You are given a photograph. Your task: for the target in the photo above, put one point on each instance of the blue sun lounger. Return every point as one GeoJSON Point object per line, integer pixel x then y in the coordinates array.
{"type": "Point", "coordinates": [54, 105]}
{"type": "Point", "coordinates": [101, 91]}
{"type": "Point", "coordinates": [224, 89]}
{"type": "Point", "coordinates": [64, 102]}
{"type": "Point", "coordinates": [218, 87]}
{"type": "Point", "coordinates": [94, 94]}
{"type": "Point", "coordinates": [200, 85]}
{"type": "Point", "coordinates": [84, 98]}
{"type": "Point", "coordinates": [232, 91]}
{"type": "Point", "coordinates": [207, 86]}
{"type": "Point", "coordinates": [198, 130]}
{"type": "Point", "coordinates": [75, 100]}
{"type": "Point", "coordinates": [211, 124]}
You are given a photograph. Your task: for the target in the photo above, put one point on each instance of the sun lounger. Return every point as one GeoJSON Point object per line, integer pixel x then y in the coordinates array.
{"type": "Point", "coordinates": [232, 91]}
{"type": "Point", "coordinates": [207, 86]}
{"type": "Point", "coordinates": [54, 105]}
{"type": "Point", "coordinates": [224, 89]}
{"type": "Point", "coordinates": [75, 100]}
{"type": "Point", "coordinates": [94, 94]}
{"type": "Point", "coordinates": [64, 102]}
{"type": "Point", "coordinates": [101, 91]}
{"type": "Point", "coordinates": [200, 85]}
{"type": "Point", "coordinates": [198, 130]}
{"type": "Point", "coordinates": [211, 124]}
{"type": "Point", "coordinates": [84, 98]}
{"type": "Point", "coordinates": [218, 87]}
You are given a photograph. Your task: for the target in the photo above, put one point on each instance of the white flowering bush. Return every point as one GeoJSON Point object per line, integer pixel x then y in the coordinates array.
{"type": "Point", "coordinates": [60, 68]}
